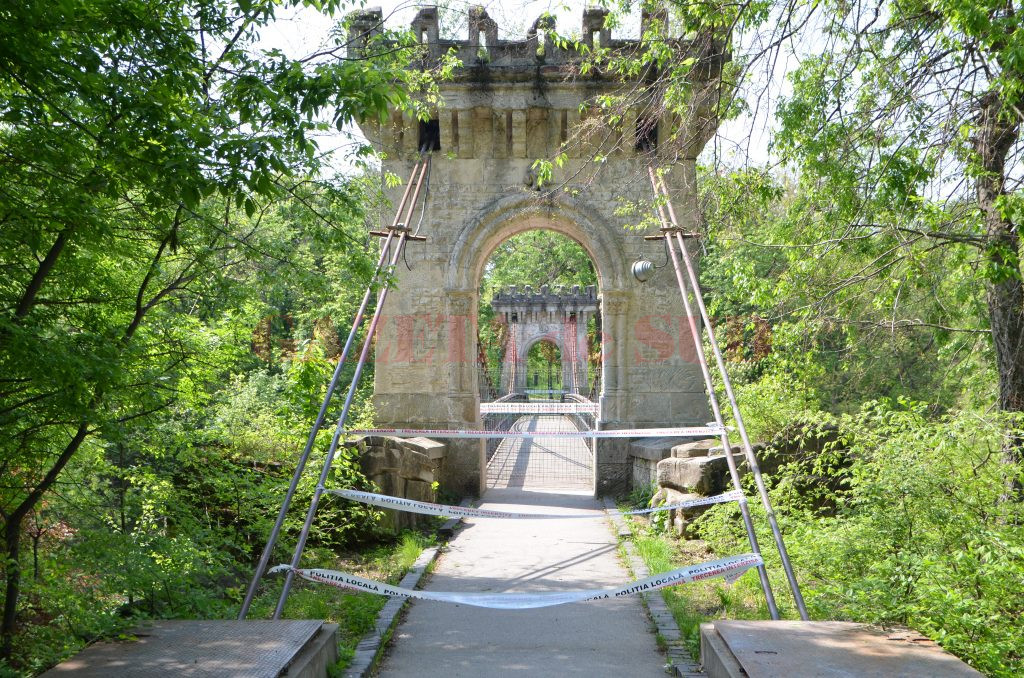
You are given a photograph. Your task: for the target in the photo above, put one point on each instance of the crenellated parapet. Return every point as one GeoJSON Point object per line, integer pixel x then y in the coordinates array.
{"type": "Point", "coordinates": [526, 98]}
{"type": "Point", "coordinates": [559, 300]}
{"type": "Point", "coordinates": [483, 49]}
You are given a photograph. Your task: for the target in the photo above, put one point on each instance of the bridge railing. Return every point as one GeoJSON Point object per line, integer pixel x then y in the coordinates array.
{"type": "Point", "coordinates": [500, 421]}
{"type": "Point", "coordinates": [583, 421]}
{"type": "Point", "coordinates": [497, 418]}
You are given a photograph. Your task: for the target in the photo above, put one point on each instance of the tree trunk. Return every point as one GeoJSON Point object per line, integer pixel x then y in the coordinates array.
{"type": "Point", "coordinates": [12, 538]}
{"type": "Point", "coordinates": [28, 298]}
{"type": "Point", "coordinates": [998, 131]}
{"type": "Point", "coordinates": [12, 534]}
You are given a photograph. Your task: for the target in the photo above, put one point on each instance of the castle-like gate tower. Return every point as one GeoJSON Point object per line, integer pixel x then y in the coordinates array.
{"type": "Point", "coordinates": [560, 316]}
{"type": "Point", "coordinates": [511, 103]}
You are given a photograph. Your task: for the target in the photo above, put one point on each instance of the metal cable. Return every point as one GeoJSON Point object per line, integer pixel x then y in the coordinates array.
{"type": "Point", "coordinates": [660, 189]}
{"type": "Point", "coordinates": [321, 415]}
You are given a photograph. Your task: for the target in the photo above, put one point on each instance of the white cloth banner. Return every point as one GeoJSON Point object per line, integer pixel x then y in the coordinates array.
{"type": "Point", "coordinates": [729, 568]}
{"type": "Point", "coordinates": [538, 408]}
{"type": "Point", "coordinates": [431, 509]}
{"type": "Point", "coordinates": [690, 431]}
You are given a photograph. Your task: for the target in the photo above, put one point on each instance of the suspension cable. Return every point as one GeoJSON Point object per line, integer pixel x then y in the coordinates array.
{"type": "Point", "coordinates": [357, 322]}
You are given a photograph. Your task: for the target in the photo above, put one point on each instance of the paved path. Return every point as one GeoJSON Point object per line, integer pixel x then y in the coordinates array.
{"type": "Point", "coordinates": [605, 638]}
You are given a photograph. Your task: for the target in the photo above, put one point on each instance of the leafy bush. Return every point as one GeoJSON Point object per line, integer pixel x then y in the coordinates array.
{"type": "Point", "coordinates": [919, 532]}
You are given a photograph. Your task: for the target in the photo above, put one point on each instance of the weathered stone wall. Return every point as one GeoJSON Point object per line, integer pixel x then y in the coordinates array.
{"type": "Point", "coordinates": [500, 113]}
{"type": "Point", "coordinates": [402, 467]}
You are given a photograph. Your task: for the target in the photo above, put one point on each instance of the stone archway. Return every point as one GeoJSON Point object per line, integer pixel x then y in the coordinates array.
{"type": "Point", "coordinates": [426, 372]}
{"type": "Point", "coordinates": [539, 384]}
{"type": "Point", "coordinates": [497, 117]}
{"type": "Point", "coordinates": [560, 316]}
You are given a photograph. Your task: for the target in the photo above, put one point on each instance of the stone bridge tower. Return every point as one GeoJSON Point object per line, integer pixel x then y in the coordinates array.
{"type": "Point", "coordinates": [559, 316]}
{"type": "Point", "coordinates": [511, 103]}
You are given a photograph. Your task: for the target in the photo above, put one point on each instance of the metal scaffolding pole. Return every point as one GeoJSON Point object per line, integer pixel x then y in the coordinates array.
{"type": "Point", "coordinates": [413, 186]}
{"type": "Point", "coordinates": [673, 231]}
{"type": "Point", "coordinates": [339, 429]}
{"type": "Point", "coordinates": [698, 346]}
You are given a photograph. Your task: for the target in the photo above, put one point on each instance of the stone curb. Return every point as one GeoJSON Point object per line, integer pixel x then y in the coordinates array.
{"type": "Point", "coordinates": [675, 651]}
{"type": "Point", "coordinates": [370, 648]}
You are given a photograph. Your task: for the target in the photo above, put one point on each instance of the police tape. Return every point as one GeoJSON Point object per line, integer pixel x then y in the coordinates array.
{"type": "Point", "coordinates": [538, 408]}
{"type": "Point", "coordinates": [432, 509]}
{"type": "Point", "coordinates": [690, 431]}
{"type": "Point", "coordinates": [730, 569]}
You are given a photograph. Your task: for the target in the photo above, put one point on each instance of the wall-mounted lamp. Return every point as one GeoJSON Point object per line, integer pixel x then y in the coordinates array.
{"type": "Point", "coordinates": [642, 270]}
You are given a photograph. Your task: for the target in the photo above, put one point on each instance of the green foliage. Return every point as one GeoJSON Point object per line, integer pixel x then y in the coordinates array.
{"type": "Point", "coordinates": [354, 612]}
{"type": "Point", "coordinates": [915, 530]}
{"type": "Point", "coordinates": [175, 261]}
{"type": "Point", "coordinates": [834, 334]}
{"type": "Point", "coordinates": [537, 258]}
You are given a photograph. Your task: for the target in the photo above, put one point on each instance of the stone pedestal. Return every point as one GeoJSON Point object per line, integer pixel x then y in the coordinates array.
{"type": "Point", "coordinates": [798, 649]}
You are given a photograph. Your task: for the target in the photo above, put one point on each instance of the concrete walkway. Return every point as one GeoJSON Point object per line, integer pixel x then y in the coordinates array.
{"type": "Point", "coordinates": [606, 638]}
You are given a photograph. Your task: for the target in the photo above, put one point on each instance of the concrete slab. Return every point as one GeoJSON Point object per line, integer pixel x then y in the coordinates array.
{"type": "Point", "coordinates": [796, 649]}
{"type": "Point", "coordinates": [605, 638]}
{"type": "Point", "coordinates": [211, 649]}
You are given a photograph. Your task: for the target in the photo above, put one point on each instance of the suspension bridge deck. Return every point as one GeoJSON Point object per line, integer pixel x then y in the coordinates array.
{"type": "Point", "coordinates": [594, 640]}
{"type": "Point", "coordinates": [542, 462]}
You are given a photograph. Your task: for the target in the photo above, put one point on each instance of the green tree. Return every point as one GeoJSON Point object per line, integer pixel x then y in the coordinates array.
{"type": "Point", "coordinates": [903, 129]}
{"type": "Point", "coordinates": [537, 258]}
{"type": "Point", "coordinates": [142, 142]}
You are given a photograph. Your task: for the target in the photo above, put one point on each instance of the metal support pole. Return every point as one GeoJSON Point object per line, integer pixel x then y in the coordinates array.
{"type": "Point", "coordinates": [300, 467]}
{"type": "Point", "coordinates": [332, 450]}
{"type": "Point", "coordinates": [698, 346]}
{"type": "Point", "coordinates": [755, 468]}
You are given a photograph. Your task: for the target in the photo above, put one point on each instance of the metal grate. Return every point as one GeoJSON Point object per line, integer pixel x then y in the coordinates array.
{"type": "Point", "coordinates": [542, 462]}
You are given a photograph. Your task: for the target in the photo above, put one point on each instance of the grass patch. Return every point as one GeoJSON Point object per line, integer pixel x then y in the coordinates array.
{"type": "Point", "coordinates": [355, 613]}
{"type": "Point", "coordinates": [697, 602]}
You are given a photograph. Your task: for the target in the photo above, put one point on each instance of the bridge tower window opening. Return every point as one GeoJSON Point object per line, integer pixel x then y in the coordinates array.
{"type": "Point", "coordinates": [646, 135]}
{"type": "Point", "coordinates": [430, 135]}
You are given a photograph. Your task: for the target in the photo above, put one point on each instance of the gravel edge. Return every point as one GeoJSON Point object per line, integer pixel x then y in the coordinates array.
{"type": "Point", "coordinates": [371, 648]}
{"type": "Point", "coordinates": [678, 656]}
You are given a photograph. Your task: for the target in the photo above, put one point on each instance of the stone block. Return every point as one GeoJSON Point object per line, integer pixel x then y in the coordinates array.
{"type": "Point", "coordinates": [645, 472]}
{"type": "Point", "coordinates": [613, 450]}
{"type": "Point", "coordinates": [419, 490]}
{"type": "Point", "coordinates": [653, 449]}
{"type": "Point", "coordinates": [666, 495]}
{"type": "Point", "coordinates": [700, 448]}
{"type": "Point", "coordinates": [431, 448]}
{"type": "Point", "coordinates": [389, 483]}
{"type": "Point", "coordinates": [689, 406]}
{"type": "Point", "coordinates": [416, 467]}
{"type": "Point", "coordinates": [703, 475]}
{"type": "Point", "coordinates": [678, 519]}
{"type": "Point", "coordinates": [380, 460]}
